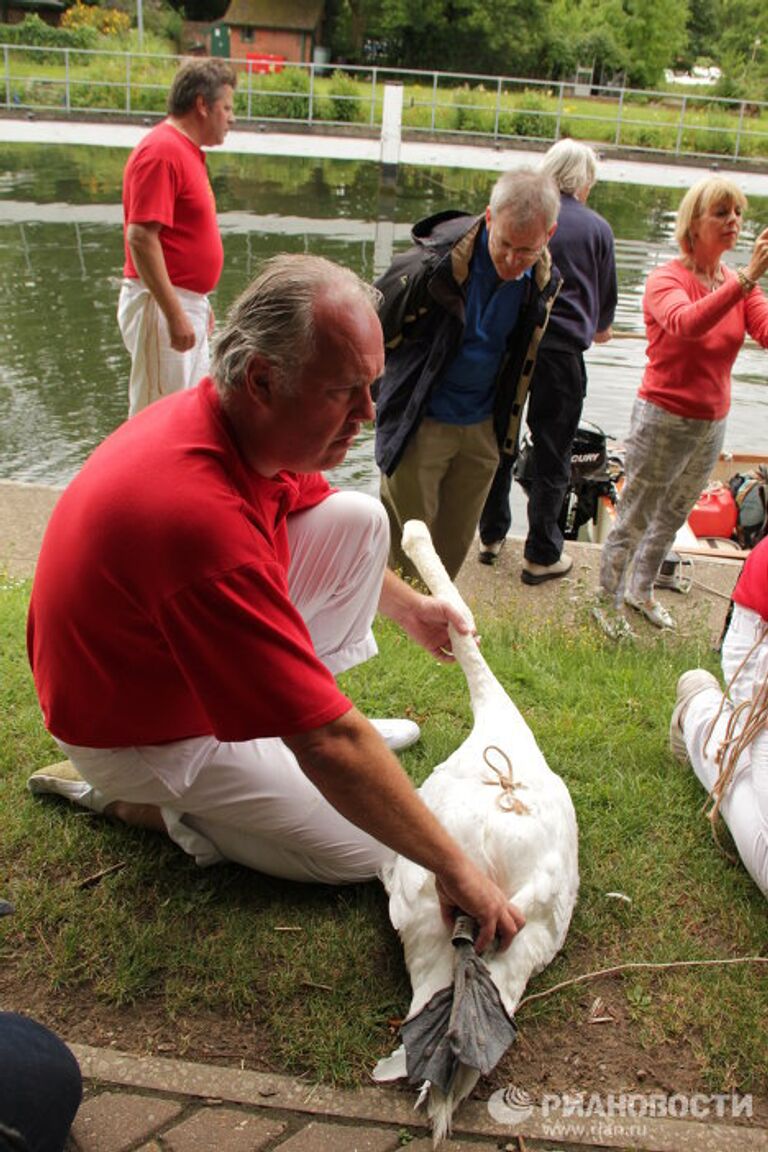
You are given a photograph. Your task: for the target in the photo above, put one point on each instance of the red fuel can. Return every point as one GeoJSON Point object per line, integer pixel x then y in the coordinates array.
{"type": "Point", "coordinates": [714, 513]}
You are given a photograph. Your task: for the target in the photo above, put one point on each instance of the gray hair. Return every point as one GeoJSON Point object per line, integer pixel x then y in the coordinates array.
{"type": "Point", "coordinates": [205, 77]}
{"type": "Point", "coordinates": [275, 318]}
{"type": "Point", "coordinates": [572, 165]}
{"type": "Point", "coordinates": [529, 193]}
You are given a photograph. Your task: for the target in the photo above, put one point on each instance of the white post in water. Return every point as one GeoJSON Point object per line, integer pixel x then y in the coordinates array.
{"type": "Point", "coordinates": [391, 120]}
{"type": "Point", "coordinates": [383, 244]}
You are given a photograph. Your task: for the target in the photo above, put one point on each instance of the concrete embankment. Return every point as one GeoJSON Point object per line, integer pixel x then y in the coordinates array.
{"type": "Point", "coordinates": [495, 593]}
{"type": "Point", "coordinates": [659, 172]}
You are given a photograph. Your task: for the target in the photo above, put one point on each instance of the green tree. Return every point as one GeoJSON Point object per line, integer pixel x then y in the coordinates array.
{"type": "Point", "coordinates": [634, 39]}
{"type": "Point", "coordinates": [656, 33]}
{"type": "Point", "coordinates": [743, 48]}
{"type": "Point", "coordinates": [585, 34]}
{"type": "Point", "coordinates": [494, 36]}
{"type": "Point", "coordinates": [703, 35]}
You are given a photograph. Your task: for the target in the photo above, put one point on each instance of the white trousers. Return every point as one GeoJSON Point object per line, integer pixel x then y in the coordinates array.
{"type": "Point", "coordinates": [156, 368]}
{"type": "Point", "coordinates": [249, 802]}
{"type": "Point", "coordinates": [745, 804]}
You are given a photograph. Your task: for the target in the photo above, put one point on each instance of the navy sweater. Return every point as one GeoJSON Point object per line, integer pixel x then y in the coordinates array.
{"type": "Point", "coordinates": [582, 249]}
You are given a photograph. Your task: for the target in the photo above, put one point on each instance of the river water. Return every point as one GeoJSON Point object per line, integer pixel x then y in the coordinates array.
{"type": "Point", "coordinates": [63, 368]}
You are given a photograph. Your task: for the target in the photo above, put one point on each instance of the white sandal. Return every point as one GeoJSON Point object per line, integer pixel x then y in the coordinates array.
{"type": "Point", "coordinates": [654, 612]}
{"type": "Point", "coordinates": [610, 617]}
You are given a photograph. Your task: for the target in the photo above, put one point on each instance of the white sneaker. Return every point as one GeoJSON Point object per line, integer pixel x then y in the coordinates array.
{"type": "Point", "coordinates": [654, 612]}
{"type": "Point", "coordinates": [489, 553]}
{"type": "Point", "coordinates": [538, 573]}
{"type": "Point", "coordinates": [397, 734]}
{"type": "Point", "coordinates": [688, 686]}
{"type": "Point", "coordinates": [64, 780]}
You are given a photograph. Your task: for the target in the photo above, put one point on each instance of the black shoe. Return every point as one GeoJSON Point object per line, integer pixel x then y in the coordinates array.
{"type": "Point", "coordinates": [489, 552]}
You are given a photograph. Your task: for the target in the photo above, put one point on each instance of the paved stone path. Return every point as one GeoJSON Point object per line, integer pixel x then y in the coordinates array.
{"type": "Point", "coordinates": [149, 1104]}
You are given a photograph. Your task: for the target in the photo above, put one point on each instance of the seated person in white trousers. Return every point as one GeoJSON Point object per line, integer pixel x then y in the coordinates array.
{"type": "Point", "coordinates": [725, 735]}
{"type": "Point", "coordinates": [199, 586]}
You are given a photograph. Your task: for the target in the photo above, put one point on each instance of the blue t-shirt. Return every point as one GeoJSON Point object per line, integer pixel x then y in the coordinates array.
{"type": "Point", "coordinates": [466, 393]}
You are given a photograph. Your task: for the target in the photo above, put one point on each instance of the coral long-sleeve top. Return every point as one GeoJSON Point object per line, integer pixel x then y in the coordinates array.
{"type": "Point", "coordinates": [694, 336]}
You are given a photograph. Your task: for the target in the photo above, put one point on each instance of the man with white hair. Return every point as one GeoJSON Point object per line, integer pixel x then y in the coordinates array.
{"type": "Point", "coordinates": [200, 585]}
{"type": "Point", "coordinates": [464, 310]}
{"type": "Point", "coordinates": [583, 250]}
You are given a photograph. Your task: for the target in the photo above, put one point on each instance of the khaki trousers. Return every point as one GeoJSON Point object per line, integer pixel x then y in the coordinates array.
{"type": "Point", "coordinates": [443, 479]}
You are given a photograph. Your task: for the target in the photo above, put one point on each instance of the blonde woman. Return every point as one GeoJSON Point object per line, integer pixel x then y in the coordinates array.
{"type": "Point", "coordinates": [697, 313]}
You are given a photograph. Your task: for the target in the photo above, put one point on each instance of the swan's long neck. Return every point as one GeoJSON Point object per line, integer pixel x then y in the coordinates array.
{"type": "Point", "coordinates": [481, 682]}
{"type": "Point", "coordinates": [418, 546]}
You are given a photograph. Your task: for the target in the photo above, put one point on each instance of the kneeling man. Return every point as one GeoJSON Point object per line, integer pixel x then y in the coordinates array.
{"type": "Point", "coordinates": [199, 587]}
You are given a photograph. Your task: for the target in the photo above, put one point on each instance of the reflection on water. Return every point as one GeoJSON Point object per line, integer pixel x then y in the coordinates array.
{"type": "Point", "coordinates": [63, 369]}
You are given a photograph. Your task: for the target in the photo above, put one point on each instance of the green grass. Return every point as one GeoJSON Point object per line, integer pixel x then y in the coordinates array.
{"type": "Point", "coordinates": [315, 975]}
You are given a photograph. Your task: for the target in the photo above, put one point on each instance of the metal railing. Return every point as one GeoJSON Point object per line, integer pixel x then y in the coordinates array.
{"type": "Point", "coordinates": [484, 109]}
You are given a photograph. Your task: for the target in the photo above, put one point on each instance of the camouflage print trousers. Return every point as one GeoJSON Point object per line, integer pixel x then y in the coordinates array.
{"type": "Point", "coordinates": [668, 462]}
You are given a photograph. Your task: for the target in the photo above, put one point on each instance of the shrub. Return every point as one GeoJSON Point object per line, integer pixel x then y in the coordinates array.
{"type": "Point", "coordinates": [708, 141]}
{"type": "Point", "coordinates": [471, 115]}
{"type": "Point", "coordinates": [105, 21]}
{"type": "Point", "coordinates": [90, 95]}
{"type": "Point", "coordinates": [730, 87]}
{"type": "Point", "coordinates": [281, 96]}
{"type": "Point", "coordinates": [529, 118]}
{"type": "Point", "coordinates": [35, 32]}
{"type": "Point", "coordinates": [418, 115]}
{"type": "Point", "coordinates": [647, 136]}
{"type": "Point", "coordinates": [38, 93]}
{"type": "Point", "coordinates": [344, 99]}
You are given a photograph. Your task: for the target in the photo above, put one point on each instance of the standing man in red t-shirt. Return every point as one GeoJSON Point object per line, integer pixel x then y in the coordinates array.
{"type": "Point", "coordinates": [173, 250]}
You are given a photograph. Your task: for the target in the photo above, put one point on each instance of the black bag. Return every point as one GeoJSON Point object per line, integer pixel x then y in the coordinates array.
{"type": "Point", "coordinates": [750, 494]}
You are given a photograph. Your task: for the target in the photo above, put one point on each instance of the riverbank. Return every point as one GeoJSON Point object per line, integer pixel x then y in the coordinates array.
{"type": "Point", "coordinates": [493, 593]}
{"type": "Point", "coordinates": [619, 169]}
{"type": "Point", "coordinates": [210, 1073]}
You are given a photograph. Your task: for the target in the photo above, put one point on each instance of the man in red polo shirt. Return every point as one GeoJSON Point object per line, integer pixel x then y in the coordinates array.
{"type": "Point", "coordinates": [173, 250]}
{"type": "Point", "coordinates": [198, 589]}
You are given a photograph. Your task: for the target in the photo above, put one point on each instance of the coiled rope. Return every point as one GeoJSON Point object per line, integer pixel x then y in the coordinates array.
{"type": "Point", "coordinates": [745, 722]}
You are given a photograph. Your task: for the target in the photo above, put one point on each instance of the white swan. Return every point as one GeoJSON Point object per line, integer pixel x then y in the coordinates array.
{"type": "Point", "coordinates": [513, 816]}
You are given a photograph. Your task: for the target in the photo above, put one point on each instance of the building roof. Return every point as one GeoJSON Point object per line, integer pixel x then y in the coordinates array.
{"type": "Point", "coordinates": [36, 5]}
{"type": "Point", "coordinates": [299, 15]}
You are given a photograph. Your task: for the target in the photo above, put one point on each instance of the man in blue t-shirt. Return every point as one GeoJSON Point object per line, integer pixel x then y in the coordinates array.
{"type": "Point", "coordinates": [463, 312]}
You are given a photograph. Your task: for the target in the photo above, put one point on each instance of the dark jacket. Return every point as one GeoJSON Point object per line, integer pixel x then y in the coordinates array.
{"type": "Point", "coordinates": [422, 315]}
